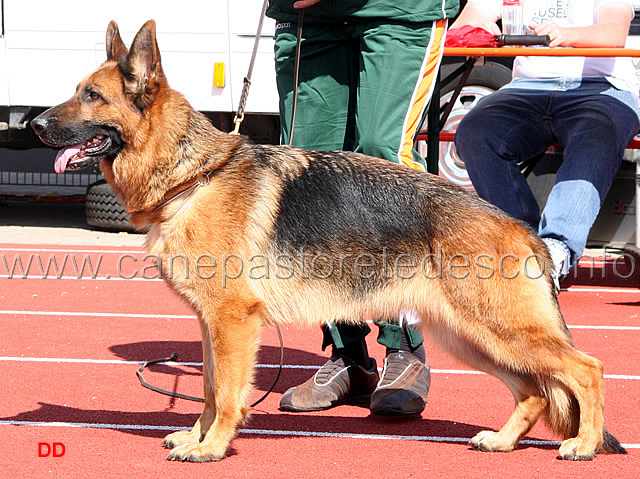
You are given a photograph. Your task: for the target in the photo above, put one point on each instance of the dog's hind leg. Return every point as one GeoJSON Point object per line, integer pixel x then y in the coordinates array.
{"type": "Point", "coordinates": [530, 399]}
{"type": "Point", "coordinates": [513, 329]}
{"type": "Point", "coordinates": [571, 385]}
{"type": "Point", "coordinates": [234, 330]}
{"type": "Point", "coordinates": [530, 404]}
{"type": "Point", "coordinates": [583, 377]}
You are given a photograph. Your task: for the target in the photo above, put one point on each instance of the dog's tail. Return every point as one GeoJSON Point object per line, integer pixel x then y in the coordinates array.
{"type": "Point", "coordinates": [610, 445]}
{"type": "Point", "coordinates": [564, 416]}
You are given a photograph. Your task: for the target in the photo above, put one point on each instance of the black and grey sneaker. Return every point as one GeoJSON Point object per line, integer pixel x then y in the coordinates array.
{"type": "Point", "coordinates": [404, 386]}
{"type": "Point", "coordinates": [338, 381]}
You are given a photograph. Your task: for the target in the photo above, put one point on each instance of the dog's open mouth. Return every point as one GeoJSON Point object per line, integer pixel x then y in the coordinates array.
{"type": "Point", "coordinates": [83, 154]}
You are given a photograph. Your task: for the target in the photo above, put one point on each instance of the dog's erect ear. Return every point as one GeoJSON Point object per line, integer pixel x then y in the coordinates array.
{"type": "Point", "coordinates": [143, 69]}
{"type": "Point", "coordinates": [116, 49]}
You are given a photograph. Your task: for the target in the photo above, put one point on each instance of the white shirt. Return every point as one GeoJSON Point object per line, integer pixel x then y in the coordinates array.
{"type": "Point", "coordinates": [568, 13]}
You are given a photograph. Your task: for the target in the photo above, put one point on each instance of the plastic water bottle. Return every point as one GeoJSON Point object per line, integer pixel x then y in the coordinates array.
{"type": "Point", "coordinates": [512, 21]}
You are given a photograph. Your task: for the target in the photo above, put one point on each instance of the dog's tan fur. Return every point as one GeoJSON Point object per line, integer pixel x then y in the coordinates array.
{"type": "Point", "coordinates": [506, 324]}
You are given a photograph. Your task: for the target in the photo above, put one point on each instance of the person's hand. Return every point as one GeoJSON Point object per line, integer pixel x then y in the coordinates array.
{"type": "Point", "coordinates": [491, 27]}
{"type": "Point", "coordinates": [557, 34]}
{"type": "Point", "coordinates": [304, 3]}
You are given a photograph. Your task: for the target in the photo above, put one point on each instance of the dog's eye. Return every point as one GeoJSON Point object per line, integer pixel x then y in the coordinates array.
{"type": "Point", "coordinates": [94, 95]}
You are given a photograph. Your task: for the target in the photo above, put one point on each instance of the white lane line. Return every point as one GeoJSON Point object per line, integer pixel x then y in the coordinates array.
{"type": "Point", "coordinates": [572, 289]}
{"type": "Point", "coordinates": [189, 316]}
{"type": "Point", "coordinates": [70, 250]}
{"type": "Point", "coordinates": [260, 366]}
{"type": "Point", "coordinates": [100, 315]}
{"type": "Point", "coordinates": [277, 432]}
{"type": "Point", "coordinates": [115, 277]}
{"type": "Point", "coordinates": [612, 328]}
{"type": "Point", "coordinates": [52, 277]}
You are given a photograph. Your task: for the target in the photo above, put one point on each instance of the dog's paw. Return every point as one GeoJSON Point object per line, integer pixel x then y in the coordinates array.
{"type": "Point", "coordinates": [180, 438]}
{"type": "Point", "coordinates": [575, 449]}
{"type": "Point", "coordinates": [491, 441]}
{"type": "Point", "coordinates": [195, 453]}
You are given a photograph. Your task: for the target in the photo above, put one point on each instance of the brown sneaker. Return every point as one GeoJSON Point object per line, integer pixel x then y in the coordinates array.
{"type": "Point", "coordinates": [338, 381]}
{"type": "Point", "coordinates": [404, 386]}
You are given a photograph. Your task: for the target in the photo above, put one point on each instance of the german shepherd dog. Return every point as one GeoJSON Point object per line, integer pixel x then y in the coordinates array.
{"type": "Point", "coordinates": [277, 234]}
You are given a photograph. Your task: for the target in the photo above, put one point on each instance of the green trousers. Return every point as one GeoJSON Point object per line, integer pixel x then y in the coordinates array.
{"type": "Point", "coordinates": [363, 86]}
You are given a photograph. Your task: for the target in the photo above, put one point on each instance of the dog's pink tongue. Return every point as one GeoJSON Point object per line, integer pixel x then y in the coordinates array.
{"type": "Point", "coordinates": [64, 157]}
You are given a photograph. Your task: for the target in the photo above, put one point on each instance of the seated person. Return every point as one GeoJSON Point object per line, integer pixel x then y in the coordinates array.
{"type": "Point", "coordinates": [589, 105]}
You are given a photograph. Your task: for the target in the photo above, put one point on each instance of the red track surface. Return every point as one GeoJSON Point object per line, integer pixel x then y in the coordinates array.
{"type": "Point", "coordinates": [70, 347]}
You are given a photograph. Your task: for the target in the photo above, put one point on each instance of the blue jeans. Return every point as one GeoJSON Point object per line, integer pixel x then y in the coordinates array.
{"type": "Point", "coordinates": [592, 120]}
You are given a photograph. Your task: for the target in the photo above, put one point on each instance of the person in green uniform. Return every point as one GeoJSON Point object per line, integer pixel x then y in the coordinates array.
{"type": "Point", "coordinates": [367, 70]}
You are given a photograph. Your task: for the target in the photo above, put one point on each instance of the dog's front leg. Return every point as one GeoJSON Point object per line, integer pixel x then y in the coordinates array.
{"type": "Point", "coordinates": [202, 425]}
{"type": "Point", "coordinates": [234, 333]}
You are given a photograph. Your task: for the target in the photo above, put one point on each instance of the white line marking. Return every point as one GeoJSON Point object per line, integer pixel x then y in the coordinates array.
{"type": "Point", "coordinates": [87, 361]}
{"type": "Point", "coordinates": [115, 277]}
{"type": "Point", "coordinates": [260, 366]}
{"type": "Point", "coordinates": [100, 315]}
{"type": "Point", "coordinates": [188, 316]}
{"type": "Point", "coordinates": [613, 328]}
{"type": "Point", "coordinates": [277, 432]}
{"type": "Point", "coordinates": [571, 289]}
{"type": "Point", "coordinates": [57, 250]}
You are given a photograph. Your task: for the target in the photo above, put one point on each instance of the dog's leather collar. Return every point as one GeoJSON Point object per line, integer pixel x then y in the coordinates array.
{"type": "Point", "coordinates": [187, 193]}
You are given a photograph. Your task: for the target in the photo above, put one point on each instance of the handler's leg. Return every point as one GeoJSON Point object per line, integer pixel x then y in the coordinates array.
{"type": "Point", "coordinates": [398, 68]}
{"type": "Point", "coordinates": [325, 121]}
{"type": "Point", "coordinates": [326, 91]}
{"type": "Point", "coordinates": [348, 377]}
{"type": "Point", "coordinates": [502, 130]}
{"type": "Point", "coordinates": [595, 123]}
{"type": "Point", "coordinates": [406, 376]}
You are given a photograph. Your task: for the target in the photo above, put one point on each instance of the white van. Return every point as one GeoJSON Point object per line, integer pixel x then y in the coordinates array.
{"type": "Point", "coordinates": [47, 46]}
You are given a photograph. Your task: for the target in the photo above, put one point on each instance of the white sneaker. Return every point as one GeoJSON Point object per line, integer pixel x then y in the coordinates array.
{"type": "Point", "coordinates": [561, 258]}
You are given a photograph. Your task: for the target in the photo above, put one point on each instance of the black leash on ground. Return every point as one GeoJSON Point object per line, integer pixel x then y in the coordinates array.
{"type": "Point", "coordinates": [238, 120]}
{"type": "Point", "coordinates": [174, 358]}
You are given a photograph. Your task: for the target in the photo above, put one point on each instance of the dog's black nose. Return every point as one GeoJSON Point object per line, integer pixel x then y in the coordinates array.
{"type": "Point", "coordinates": [39, 124]}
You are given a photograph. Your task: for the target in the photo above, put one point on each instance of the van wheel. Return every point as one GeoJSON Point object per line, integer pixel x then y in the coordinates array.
{"type": "Point", "coordinates": [103, 209]}
{"type": "Point", "coordinates": [450, 165]}
{"type": "Point", "coordinates": [483, 81]}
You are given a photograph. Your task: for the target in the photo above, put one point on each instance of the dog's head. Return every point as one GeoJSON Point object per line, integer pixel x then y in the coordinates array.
{"type": "Point", "coordinates": [93, 124]}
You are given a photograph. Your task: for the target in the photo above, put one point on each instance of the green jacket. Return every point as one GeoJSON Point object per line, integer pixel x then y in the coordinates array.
{"type": "Point", "coordinates": [331, 11]}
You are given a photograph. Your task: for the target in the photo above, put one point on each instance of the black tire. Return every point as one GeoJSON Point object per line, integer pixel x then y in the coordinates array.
{"type": "Point", "coordinates": [103, 209]}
